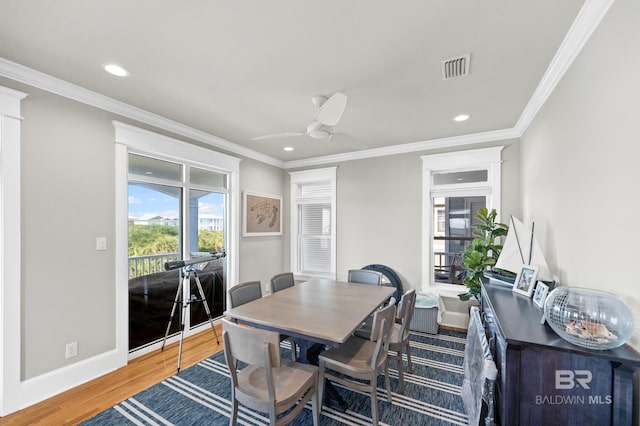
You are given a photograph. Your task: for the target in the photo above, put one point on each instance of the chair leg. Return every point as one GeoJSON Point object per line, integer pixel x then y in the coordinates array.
{"type": "Point", "coordinates": [320, 388]}
{"type": "Point", "coordinates": [294, 355]}
{"type": "Point", "coordinates": [316, 400]}
{"type": "Point", "coordinates": [409, 364]}
{"type": "Point", "coordinates": [400, 373]}
{"type": "Point", "coordinates": [387, 382]}
{"type": "Point", "coordinates": [233, 420]}
{"type": "Point", "coordinates": [374, 399]}
{"type": "Point", "coordinates": [273, 420]}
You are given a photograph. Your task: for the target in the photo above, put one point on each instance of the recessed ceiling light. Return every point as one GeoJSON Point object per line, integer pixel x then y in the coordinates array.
{"type": "Point", "coordinates": [461, 117]}
{"type": "Point", "coordinates": [288, 148]}
{"type": "Point", "coordinates": [116, 70]}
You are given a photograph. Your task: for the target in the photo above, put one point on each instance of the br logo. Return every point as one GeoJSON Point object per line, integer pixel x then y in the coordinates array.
{"type": "Point", "coordinates": [569, 379]}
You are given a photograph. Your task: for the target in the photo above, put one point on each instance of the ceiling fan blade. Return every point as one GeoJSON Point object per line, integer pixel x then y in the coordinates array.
{"type": "Point", "coordinates": [278, 135]}
{"type": "Point", "coordinates": [347, 141]}
{"type": "Point", "coordinates": [331, 110]}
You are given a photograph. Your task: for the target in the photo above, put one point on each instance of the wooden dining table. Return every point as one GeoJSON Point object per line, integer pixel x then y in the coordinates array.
{"type": "Point", "coordinates": [319, 310]}
{"type": "Point", "coordinates": [315, 313]}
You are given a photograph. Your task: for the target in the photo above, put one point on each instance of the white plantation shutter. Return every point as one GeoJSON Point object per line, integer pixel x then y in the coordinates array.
{"type": "Point", "coordinates": [313, 204]}
{"type": "Point", "coordinates": [315, 238]}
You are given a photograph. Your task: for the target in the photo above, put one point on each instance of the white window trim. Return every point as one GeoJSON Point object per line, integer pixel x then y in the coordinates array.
{"type": "Point", "coordinates": [475, 159]}
{"type": "Point", "coordinates": [133, 139]}
{"type": "Point", "coordinates": [327, 174]}
{"type": "Point", "coordinates": [12, 394]}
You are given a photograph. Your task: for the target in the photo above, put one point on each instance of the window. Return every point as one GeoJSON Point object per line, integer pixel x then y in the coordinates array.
{"type": "Point", "coordinates": [455, 186]}
{"type": "Point", "coordinates": [173, 201]}
{"type": "Point", "coordinates": [313, 218]}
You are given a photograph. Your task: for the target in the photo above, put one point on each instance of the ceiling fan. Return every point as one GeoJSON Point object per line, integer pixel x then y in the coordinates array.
{"type": "Point", "coordinates": [329, 112]}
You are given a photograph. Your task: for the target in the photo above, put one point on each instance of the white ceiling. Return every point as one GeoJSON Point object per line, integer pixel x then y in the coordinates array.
{"type": "Point", "coordinates": [245, 68]}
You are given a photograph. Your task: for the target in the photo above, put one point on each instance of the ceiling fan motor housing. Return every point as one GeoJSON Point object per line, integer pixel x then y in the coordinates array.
{"type": "Point", "coordinates": [317, 131]}
{"type": "Point", "coordinates": [321, 133]}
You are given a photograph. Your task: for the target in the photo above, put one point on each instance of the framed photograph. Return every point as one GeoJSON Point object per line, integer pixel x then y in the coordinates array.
{"type": "Point", "coordinates": [262, 215]}
{"type": "Point", "coordinates": [526, 280]}
{"type": "Point", "coordinates": [540, 294]}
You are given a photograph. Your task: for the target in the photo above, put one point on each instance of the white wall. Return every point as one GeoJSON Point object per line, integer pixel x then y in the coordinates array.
{"type": "Point", "coordinates": [379, 215]}
{"type": "Point", "coordinates": [68, 197]}
{"type": "Point", "coordinates": [580, 171]}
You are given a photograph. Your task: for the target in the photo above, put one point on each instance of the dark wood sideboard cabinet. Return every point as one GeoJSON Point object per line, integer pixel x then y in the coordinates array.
{"type": "Point", "coordinates": [545, 380]}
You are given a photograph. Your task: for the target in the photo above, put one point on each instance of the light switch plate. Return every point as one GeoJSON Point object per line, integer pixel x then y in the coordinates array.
{"type": "Point", "coordinates": [101, 243]}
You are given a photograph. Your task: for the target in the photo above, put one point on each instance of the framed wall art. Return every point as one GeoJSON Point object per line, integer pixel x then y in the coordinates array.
{"type": "Point", "coordinates": [526, 280]}
{"type": "Point", "coordinates": [540, 294]}
{"type": "Point", "coordinates": [262, 215]}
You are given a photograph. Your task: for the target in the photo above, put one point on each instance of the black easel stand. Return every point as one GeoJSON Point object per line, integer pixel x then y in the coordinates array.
{"type": "Point", "coordinates": [183, 296]}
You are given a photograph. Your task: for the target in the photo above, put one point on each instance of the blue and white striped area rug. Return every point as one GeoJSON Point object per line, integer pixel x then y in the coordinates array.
{"type": "Point", "coordinates": [200, 395]}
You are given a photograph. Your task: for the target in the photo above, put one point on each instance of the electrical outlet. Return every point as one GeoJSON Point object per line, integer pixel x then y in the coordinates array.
{"type": "Point", "coordinates": [71, 350]}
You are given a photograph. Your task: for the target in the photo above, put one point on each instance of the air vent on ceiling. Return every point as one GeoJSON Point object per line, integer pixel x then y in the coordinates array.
{"type": "Point", "coordinates": [456, 67]}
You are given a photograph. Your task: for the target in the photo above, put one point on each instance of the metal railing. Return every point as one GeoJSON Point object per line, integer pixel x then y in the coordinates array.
{"type": "Point", "coordinates": [150, 264]}
{"type": "Point", "coordinates": [448, 265]}
{"type": "Point", "coordinates": [444, 264]}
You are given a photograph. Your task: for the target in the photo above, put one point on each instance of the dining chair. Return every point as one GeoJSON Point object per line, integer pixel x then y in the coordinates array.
{"type": "Point", "coordinates": [247, 292]}
{"type": "Point", "coordinates": [282, 281]}
{"type": "Point", "coordinates": [267, 383]}
{"type": "Point", "coordinates": [364, 276]}
{"type": "Point", "coordinates": [244, 293]}
{"type": "Point", "coordinates": [399, 339]}
{"type": "Point", "coordinates": [362, 359]}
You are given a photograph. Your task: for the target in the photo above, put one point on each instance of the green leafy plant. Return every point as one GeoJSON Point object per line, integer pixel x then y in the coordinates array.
{"type": "Point", "coordinates": [482, 254]}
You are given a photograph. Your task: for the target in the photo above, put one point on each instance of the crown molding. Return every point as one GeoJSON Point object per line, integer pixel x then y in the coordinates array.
{"type": "Point", "coordinates": [581, 30]}
{"type": "Point", "coordinates": [40, 80]}
{"type": "Point", "coordinates": [472, 139]}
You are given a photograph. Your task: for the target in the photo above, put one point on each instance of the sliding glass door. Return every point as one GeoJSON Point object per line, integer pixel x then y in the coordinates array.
{"type": "Point", "coordinates": [176, 211]}
{"type": "Point", "coordinates": [207, 227]}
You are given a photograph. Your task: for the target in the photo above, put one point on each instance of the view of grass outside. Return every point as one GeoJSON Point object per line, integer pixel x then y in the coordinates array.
{"type": "Point", "coordinates": [147, 240]}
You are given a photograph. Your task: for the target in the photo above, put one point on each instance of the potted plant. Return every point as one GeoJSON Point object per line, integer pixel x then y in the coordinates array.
{"type": "Point", "coordinates": [482, 254]}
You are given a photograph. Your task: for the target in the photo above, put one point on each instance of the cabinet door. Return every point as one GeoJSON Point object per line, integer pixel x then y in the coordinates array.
{"type": "Point", "coordinates": [562, 388]}
{"type": "Point", "coordinates": [506, 384]}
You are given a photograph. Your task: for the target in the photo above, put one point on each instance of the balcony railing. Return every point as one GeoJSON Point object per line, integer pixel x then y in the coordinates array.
{"type": "Point", "coordinates": [447, 266]}
{"type": "Point", "coordinates": [150, 264]}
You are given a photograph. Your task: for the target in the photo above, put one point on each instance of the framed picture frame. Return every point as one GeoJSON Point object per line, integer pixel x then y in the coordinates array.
{"type": "Point", "coordinates": [526, 280]}
{"type": "Point", "coordinates": [540, 294]}
{"type": "Point", "coordinates": [262, 215]}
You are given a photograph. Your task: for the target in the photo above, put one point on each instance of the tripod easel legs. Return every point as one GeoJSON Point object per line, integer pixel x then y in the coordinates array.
{"type": "Point", "coordinates": [182, 294]}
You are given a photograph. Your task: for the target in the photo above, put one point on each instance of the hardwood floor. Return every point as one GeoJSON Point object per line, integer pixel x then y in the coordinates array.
{"type": "Point", "coordinates": [87, 400]}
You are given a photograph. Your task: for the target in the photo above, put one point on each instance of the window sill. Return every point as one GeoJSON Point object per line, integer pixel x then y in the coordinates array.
{"type": "Point", "coordinates": [301, 276]}
{"type": "Point", "coordinates": [450, 290]}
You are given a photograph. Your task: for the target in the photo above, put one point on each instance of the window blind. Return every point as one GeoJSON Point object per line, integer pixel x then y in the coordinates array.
{"type": "Point", "coordinates": [315, 237]}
